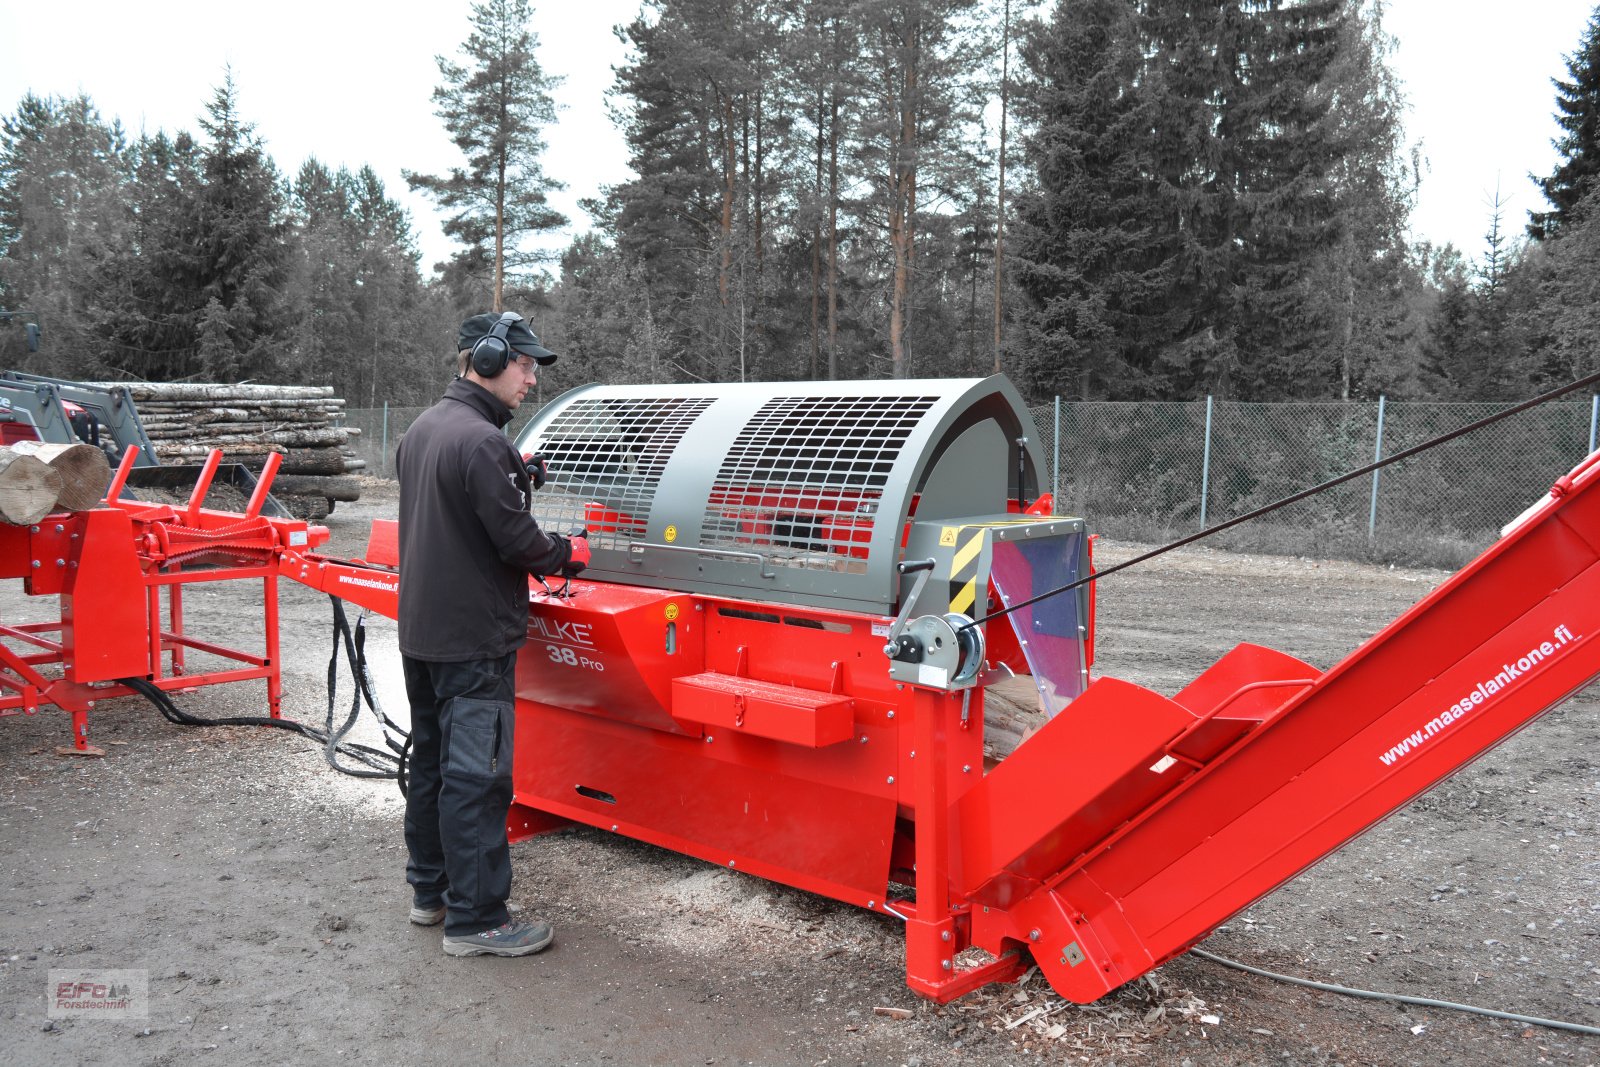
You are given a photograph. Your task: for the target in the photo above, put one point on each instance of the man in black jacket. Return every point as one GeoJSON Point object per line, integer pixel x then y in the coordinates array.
{"type": "Point", "coordinates": [467, 547]}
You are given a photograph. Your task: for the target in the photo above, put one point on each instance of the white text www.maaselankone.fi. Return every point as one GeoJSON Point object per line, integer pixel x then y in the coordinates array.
{"type": "Point", "coordinates": [1509, 675]}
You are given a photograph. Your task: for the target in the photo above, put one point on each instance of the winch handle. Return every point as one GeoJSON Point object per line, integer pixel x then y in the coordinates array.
{"type": "Point", "coordinates": [923, 569]}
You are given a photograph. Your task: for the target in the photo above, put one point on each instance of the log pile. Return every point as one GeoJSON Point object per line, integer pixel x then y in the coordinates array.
{"type": "Point", "coordinates": [186, 420]}
{"type": "Point", "coordinates": [36, 479]}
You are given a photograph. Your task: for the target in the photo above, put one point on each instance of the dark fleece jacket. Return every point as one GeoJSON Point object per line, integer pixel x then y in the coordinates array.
{"type": "Point", "coordinates": [467, 541]}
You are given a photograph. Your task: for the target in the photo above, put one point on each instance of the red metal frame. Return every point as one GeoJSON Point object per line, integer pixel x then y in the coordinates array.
{"type": "Point", "coordinates": [107, 567]}
{"type": "Point", "coordinates": [771, 738]}
{"type": "Point", "coordinates": [1113, 839]}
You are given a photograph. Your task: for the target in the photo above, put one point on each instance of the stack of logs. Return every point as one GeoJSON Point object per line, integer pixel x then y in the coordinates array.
{"type": "Point", "coordinates": [186, 420]}
{"type": "Point", "coordinates": [37, 479]}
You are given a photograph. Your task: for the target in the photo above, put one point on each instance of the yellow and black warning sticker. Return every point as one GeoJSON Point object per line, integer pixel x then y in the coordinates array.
{"type": "Point", "coordinates": [968, 542]}
{"type": "Point", "coordinates": [964, 569]}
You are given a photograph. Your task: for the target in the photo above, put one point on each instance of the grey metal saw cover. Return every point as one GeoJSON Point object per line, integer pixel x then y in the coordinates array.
{"type": "Point", "coordinates": [789, 492]}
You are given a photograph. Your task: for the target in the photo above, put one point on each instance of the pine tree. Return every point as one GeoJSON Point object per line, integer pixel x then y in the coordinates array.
{"type": "Point", "coordinates": [699, 218]}
{"type": "Point", "coordinates": [495, 108]}
{"type": "Point", "coordinates": [1578, 115]}
{"type": "Point", "coordinates": [922, 59]}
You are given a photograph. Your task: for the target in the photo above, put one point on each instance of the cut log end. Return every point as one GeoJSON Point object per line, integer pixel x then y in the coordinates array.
{"type": "Point", "coordinates": [85, 472]}
{"type": "Point", "coordinates": [29, 488]}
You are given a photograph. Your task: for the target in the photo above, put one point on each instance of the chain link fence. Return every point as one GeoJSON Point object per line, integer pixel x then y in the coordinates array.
{"type": "Point", "coordinates": [1157, 471]}
{"type": "Point", "coordinates": [380, 430]}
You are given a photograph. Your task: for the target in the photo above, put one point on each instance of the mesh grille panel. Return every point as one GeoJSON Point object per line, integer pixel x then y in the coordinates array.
{"type": "Point", "coordinates": [605, 457]}
{"type": "Point", "coordinates": [804, 478]}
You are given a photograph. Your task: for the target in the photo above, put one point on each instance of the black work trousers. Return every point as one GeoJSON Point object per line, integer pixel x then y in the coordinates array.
{"type": "Point", "coordinates": [460, 788]}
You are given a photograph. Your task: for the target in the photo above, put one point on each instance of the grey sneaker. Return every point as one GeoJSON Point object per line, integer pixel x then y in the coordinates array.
{"type": "Point", "coordinates": [427, 914]}
{"type": "Point", "coordinates": [512, 939]}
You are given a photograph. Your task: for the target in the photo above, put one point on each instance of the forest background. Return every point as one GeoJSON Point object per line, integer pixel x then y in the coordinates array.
{"type": "Point", "coordinates": [1191, 199]}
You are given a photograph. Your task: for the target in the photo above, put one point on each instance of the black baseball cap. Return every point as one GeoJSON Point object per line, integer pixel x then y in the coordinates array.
{"type": "Point", "coordinates": [523, 341]}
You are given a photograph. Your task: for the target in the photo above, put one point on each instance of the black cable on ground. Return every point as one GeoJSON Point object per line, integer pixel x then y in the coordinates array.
{"type": "Point", "coordinates": [172, 713]}
{"type": "Point", "coordinates": [376, 763]}
{"type": "Point", "coordinates": [1398, 998]}
{"type": "Point", "coordinates": [1544, 398]}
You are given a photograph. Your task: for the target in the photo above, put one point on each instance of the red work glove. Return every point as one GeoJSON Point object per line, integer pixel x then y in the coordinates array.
{"type": "Point", "coordinates": [579, 543]}
{"type": "Point", "coordinates": [534, 464]}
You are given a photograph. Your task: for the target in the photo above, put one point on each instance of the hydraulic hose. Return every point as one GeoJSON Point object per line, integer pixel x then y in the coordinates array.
{"type": "Point", "coordinates": [1398, 998]}
{"type": "Point", "coordinates": [373, 762]}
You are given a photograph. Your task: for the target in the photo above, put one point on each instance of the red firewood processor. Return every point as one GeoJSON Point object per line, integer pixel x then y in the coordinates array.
{"type": "Point", "coordinates": [777, 662]}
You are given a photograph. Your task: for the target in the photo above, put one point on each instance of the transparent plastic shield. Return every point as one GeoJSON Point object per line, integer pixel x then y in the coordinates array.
{"type": "Point", "coordinates": [1052, 631]}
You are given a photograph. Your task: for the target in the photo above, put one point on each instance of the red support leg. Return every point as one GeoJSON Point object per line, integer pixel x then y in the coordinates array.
{"type": "Point", "coordinates": [269, 586]}
{"type": "Point", "coordinates": [931, 934]}
{"type": "Point", "coordinates": [175, 615]}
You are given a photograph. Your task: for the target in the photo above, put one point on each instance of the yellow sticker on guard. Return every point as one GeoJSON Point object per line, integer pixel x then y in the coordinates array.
{"type": "Point", "coordinates": [671, 612]}
{"type": "Point", "coordinates": [964, 572]}
{"type": "Point", "coordinates": [947, 536]}
{"type": "Point", "coordinates": [670, 534]}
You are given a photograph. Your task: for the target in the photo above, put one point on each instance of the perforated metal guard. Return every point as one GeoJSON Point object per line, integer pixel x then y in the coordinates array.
{"type": "Point", "coordinates": [804, 479]}
{"type": "Point", "coordinates": [783, 492]}
{"type": "Point", "coordinates": [606, 457]}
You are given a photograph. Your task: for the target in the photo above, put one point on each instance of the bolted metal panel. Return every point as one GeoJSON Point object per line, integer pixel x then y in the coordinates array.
{"type": "Point", "coordinates": [791, 492]}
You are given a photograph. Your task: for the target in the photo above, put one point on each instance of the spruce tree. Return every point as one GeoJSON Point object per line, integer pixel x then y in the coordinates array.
{"type": "Point", "coordinates": [1082, 245]}
{"type": "Point", "coordinates": [243, 250]}
{"type": "Point", "coordinates": [1578, 115]}
{"type": "Point", "coordinates": [1284, 151]}
{"type": "Point", "coordinates": [149, 315]}
{"type": "Point", "coordinates": [61, 174]}
{"type": "Point", "coordinates": [356, 283]}
{"type": "Point", "coordinates": [495, 107]}
{"type": "Point", "coordinates": [1363, 285]}
{"type": "Point", "coordinates": [1567, 312]}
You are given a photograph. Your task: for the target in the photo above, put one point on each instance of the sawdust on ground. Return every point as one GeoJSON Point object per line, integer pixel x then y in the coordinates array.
{"type": "Point", "coordinates": [264, 893]}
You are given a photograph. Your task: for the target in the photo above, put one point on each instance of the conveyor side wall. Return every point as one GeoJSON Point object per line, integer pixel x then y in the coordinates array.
{"type": "Point", "coordinates": [1488, 651]}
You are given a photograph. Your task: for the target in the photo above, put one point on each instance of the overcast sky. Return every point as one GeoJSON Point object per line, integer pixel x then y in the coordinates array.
{"type": "Point", "coordinates": [350, 83]}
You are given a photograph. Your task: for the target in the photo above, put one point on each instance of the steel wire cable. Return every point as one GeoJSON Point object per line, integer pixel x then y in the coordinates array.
{"type": "Point", "coordinates": [1295, 498]}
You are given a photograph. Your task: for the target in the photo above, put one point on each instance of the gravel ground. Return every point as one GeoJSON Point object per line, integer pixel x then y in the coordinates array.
{"type": "Point", "coordinates": [263, 894]}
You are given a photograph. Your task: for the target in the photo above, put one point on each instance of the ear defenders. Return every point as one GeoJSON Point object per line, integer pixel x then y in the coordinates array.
{"type": "Point", "coordinates": [492, 352]}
